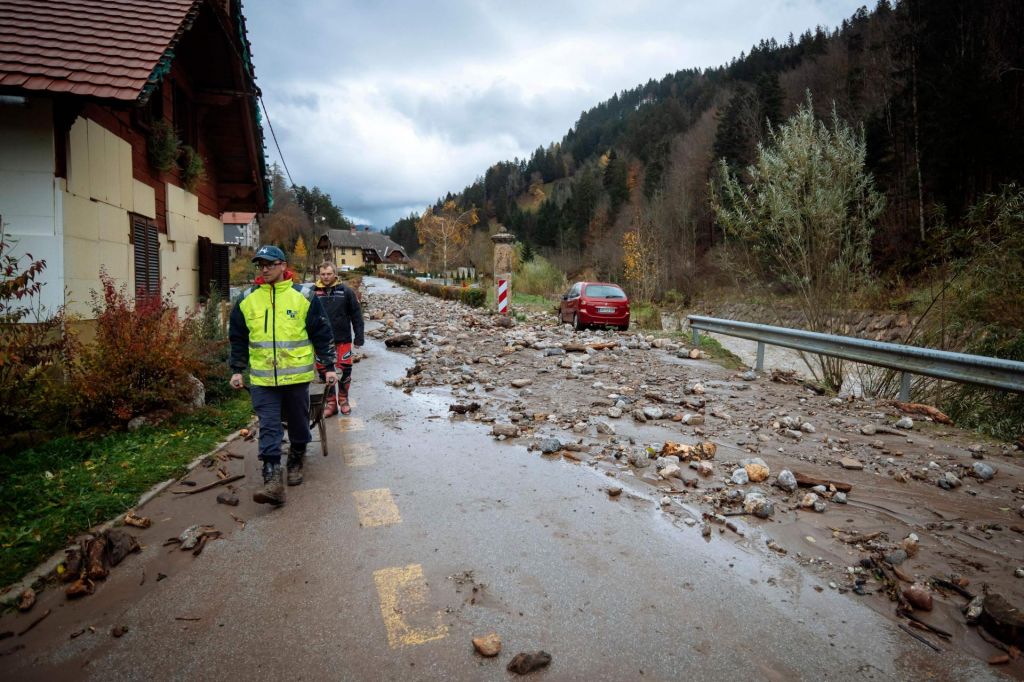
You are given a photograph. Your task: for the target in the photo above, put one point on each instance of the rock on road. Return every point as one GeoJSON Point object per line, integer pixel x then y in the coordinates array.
{"type": "Point", "coordinates": [421, 531]}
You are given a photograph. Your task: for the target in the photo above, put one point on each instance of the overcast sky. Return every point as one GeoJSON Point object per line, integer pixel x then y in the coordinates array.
{"type": "Point", "coordinates": [389, 105]}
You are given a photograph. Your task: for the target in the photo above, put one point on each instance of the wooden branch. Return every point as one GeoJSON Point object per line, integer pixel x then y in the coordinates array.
{"type": "Point", "coordinates": [918, 637]}
{"type": "Point", "coordinates": [34, 623]}
{"type": "Point", "coordinates": [208, 486]}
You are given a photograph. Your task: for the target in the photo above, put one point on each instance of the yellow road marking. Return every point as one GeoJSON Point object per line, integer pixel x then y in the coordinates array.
{"type": "Point", "coordinates": [376, 508]}
{"type": "Point", "coordinates": [346, 424]}
{"type": "Point", "coordinates": [403, 605]}
{"type": "Point", "coordinates": [359, 455]}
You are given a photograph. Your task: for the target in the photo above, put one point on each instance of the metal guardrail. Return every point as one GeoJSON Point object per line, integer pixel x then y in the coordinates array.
{"type": "Point", "coordinates": [1006, 375]}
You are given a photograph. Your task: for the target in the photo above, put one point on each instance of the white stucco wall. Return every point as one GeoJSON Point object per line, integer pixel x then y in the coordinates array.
{"type": "Point", "coordinates": [29, 204]}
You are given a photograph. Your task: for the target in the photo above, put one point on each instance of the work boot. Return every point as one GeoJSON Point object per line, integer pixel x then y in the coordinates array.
{"type": "Point", "coordinates": [331, 408]}
{"type": "Point", "coordinates": [295, 460]}
{"type": "Point", "coordinates": [272, 491]}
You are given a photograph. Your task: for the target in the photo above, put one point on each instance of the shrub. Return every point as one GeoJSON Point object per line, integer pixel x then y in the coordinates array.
{"type": "Point", "coordinates": [472, 297]}
{"type": "Point", "coordinates": [33, 348]}
{"type": "Point", "coordinates": [214, 348]}
{"type": "Point", "coordinates": [163, 146]}
{"type": "Point", "coordinates": [193, 168]}
{"type": "Point", "coordinates": [539, 277]}
{"type": "Point", "coordinates": [141, 359]}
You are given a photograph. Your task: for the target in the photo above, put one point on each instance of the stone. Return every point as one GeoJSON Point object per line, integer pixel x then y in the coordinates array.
{"type": "Point", "coordinates": [948, 481]}
{"type": "Point", "coordinates": [740, 477]}
{"type": "Point", "coordinates": [820, 506]}
{"type": "Point", "coordinates": [638, 458]}
{"type": "Point", "coordinates": [697, 389]}
{"type": "Point", "coordinates": [839, 498]}
{"type": "Point", "coordinates": [694, 354]}
{"type": "Point", "coordinates": [868, 430]}
{"type": "Point", "coordinates": [705, 469]}
{"type": "Point", "coordinates": [638, 415]}
{"type": "Point", "coordinates": [489, 645]}
{"type": "Point", "coordinates": [851, 463]}
{"type": "Point", "coordinates": [809, 500]}
{"type": "Point", "coordinates": [896, 557]}
{"type": "Point", "coordinates": [749, 375]}
{"type": "Point", "coordinates": [549, 445]}
{"type": "Point", "coordinates": [27, 599]}
{"type": "Point", "coordinates": [905, 423]}
{"type": "Point", "coordinates": [137, 423]}
{"type": "Point", "coordinates": [670, 471]}
{"type": "Point", "coordinates": [693, 419]}
{"type": "Point", "coordinates": [521, 383]}
{"type": "Point", "coordinates": [651, 412]}
{"type": "Point", "coordinates": [758, 505]}
{"type": "Point", "coordinates": [666, 501]}
{"type": "Point", "coordinates": [793, 433]}
{"type": "Point", "coordinates": [786, 480]}
{"type": "Point", "coordinates": [756, 472]}
{"type": "Point", "coordinates": [227, 498]}
{"type": "Point", "coordinates": [918, 596]}
{"type": "Point", "coordinates": [807, 427]}
{"type": "Point", "coordinates": [614, 412]}
{"type": "Point", "coordinates": [197, 395]}
{"type": "Point", "coordinates": [548, 352]}
{"type": "Point", "coordinates": [614, 491]}
{"type": "Point", "coordinates": [506, 430]}
{"type": "Point", "coordinates": [525, 663]}
{"type": "Point", "coordinates": [1018, 573]}
{"type": "Point", "coordinates": [605, 428]}
{"type": "Point", "coordinates": [983, 471]}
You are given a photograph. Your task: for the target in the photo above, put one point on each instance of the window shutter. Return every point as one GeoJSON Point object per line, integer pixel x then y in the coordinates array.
{"type": "Point", "coordinates": [221, 270]}
{"type": "Point", "coordinates": [146, 241]}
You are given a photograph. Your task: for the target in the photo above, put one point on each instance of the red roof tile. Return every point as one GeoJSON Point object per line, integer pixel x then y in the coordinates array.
{"type": "Point", "coordinates": [104, 48]}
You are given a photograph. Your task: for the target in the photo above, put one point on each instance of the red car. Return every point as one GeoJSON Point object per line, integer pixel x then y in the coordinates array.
{"type": "Point", "coordinates": [595, 303]}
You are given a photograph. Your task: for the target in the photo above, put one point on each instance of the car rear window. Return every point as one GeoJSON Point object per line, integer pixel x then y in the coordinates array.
{"type": "Point", "coordinates": [604, 291]}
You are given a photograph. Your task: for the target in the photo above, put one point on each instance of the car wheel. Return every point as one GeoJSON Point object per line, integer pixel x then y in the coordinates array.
{"type": "Point", "coordinates": [576, 322]}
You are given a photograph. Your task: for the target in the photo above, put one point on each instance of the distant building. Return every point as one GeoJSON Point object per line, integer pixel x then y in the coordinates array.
{"type": "Point", "coordinates": [241, 228]}
{"type": "Point", "coordinates": [351, 249]}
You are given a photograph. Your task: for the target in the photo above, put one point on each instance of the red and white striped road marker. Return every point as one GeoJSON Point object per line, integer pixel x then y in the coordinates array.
{"type": "Point", "coordinates": [503, 296]}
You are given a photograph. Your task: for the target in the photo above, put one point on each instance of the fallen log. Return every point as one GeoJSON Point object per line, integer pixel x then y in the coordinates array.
{"type": "Point", "coordinates": [805, 481]}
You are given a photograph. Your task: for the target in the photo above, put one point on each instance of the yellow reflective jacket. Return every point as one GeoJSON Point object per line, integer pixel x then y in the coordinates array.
{"type": "Point", "coordinates": [274, 330]}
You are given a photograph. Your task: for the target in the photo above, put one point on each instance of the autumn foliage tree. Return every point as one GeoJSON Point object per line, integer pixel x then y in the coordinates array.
{"type": "Point", "coordinates": [446, 231]}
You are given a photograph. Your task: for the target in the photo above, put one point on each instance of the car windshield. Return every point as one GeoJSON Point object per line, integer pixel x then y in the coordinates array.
{"type": "Point", "coordinates": [604, 291]}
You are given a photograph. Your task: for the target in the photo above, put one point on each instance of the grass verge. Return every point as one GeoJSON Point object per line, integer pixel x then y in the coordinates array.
{"type": "Point", "coordinates": [66, 486]}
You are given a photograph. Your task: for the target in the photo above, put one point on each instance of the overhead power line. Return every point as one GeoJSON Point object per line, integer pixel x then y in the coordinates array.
{"type": "Point", "coordinates": [274, 135]}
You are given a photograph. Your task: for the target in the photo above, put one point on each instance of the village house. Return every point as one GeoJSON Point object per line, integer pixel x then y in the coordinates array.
{"type": "Point", "coordinates": [241, 229]}
{"type": "Point", "coordinates": [351, 249]}
{"type": "Point", "coordinates": [127, 127]}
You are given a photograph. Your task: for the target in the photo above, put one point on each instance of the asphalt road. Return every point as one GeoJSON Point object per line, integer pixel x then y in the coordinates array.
{"type": "Point", "coordinates": [418, 533]}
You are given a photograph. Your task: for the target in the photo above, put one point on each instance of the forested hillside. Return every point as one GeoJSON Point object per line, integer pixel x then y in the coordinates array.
{"type": "Point", "coordinates": [937, 86]}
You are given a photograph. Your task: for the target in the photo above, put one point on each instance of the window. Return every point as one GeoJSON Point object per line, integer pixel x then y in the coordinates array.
{"type": "Point", "coordinates": [342, 261]}
{"type": "Point", "coordinates": [146, 240]}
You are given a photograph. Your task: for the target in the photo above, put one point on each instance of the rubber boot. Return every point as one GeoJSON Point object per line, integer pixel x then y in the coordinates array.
{"type": "Point", "coordinates": [331, 408]}
{"type": "Point", "coordinates": [295, 460]}
{"type": "Point", "coordinates": [343, 404]}
{"type": "Point", "coordinates": [272, 491]}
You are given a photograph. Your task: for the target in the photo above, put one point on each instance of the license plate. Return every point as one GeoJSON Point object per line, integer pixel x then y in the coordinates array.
{"type": "Point", "coordinates": [606, 311]}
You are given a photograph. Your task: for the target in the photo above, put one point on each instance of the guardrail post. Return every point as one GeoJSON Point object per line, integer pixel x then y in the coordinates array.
{"type": "Point", "coordinates": [904, 387]}
{"type": "Point", "coordinates": [696, 336]}
{"type": "Point", "coordinates": [760, 357]}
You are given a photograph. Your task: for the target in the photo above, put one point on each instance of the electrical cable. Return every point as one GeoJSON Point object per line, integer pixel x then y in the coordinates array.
{"type": "Point", "coordinates": [274, 135]}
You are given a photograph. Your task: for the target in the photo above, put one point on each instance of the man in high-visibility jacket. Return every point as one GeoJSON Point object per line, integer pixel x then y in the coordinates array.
{"type": "Point", "coordinates": [274, 329]}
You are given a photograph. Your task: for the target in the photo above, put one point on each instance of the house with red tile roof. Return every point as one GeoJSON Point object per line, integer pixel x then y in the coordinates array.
{"type": "Point", "coordinates": [241, 229]}
{"type": "Point", "coordinates": [127, 128]}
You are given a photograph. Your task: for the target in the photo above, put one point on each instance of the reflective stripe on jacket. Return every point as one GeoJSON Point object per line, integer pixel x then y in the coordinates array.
{"type": "Point", "coordinates": [280, 350]}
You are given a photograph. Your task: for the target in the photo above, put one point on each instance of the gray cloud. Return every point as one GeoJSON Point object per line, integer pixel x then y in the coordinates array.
{"type": "Point", "coordinates": [388, 106]}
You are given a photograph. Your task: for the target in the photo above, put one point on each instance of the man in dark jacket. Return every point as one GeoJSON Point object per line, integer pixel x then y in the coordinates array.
{"type": "Point", "coordinates": [278, 330]}
{"type": "Point", "coordinates": [342, 307]}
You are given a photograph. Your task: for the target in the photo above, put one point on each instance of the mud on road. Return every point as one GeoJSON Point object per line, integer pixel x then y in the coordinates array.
{"type": "Point", "coordinates": [925, 502]}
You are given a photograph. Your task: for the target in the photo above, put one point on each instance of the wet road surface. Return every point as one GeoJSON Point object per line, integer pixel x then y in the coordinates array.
{"type": "Point", "coordinates": [418, 533]}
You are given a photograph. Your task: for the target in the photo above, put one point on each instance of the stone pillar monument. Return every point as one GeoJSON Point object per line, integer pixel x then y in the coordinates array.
{"type": "Point", "coordinates": [504, 245]}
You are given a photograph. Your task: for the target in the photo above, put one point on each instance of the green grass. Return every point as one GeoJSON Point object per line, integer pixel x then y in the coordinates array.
{"type": "Point", "coordinates": [66, 486]}
{"type": "Point", "coordinates": [530, 302]}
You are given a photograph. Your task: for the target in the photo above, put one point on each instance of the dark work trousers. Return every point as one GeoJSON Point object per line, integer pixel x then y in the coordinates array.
{"type": "Point", "coordinates": [270, 404]}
